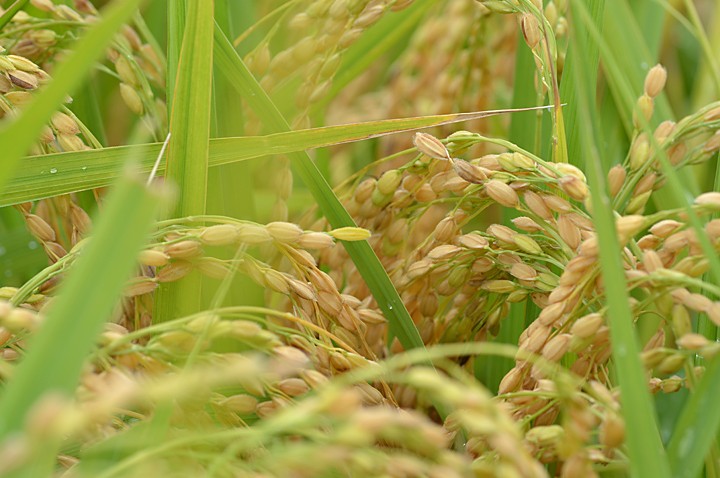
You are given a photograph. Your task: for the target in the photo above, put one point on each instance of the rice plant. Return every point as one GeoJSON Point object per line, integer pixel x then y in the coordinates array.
{"type": "Point", "coordinates": [397, 238]}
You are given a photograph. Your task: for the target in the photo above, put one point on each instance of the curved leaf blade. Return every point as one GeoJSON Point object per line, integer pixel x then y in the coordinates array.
{"type": "Point", "coordinates": [60, 173]}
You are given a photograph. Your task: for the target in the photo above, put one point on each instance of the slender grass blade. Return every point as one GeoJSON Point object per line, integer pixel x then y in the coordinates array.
{"type": "Point", "coordinates": [187, 162]}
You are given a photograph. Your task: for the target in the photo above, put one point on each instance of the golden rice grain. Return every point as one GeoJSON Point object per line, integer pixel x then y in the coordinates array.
{"type": "Point", "coordinates": [655, 81]}
{"type": "Point", "coordinates": [502, 193]}
{"type": "Point", "coordinates": [220, 235]}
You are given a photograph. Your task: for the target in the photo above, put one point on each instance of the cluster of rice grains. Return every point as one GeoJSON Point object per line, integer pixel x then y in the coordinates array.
{"type": "Point", "coordinates": [317, 35]}
{"type": "Point", "coordinates": [312, 386]}
{"type": "Point", "coordinates": [275, 390]}
{"type": "Point", "coordinates": [446, 67]}
{"type": "Point", "coordinates": [458, 283]}
{"type": "Point", "coordinates": [29, 41]}
{"type": "Point", "coordinates": [458, 59]}
{"type": "Point", "coordinates": [320, 33]}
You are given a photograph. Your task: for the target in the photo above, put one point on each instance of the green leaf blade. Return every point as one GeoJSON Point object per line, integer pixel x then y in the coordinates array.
{"type": "Point", "coordinates": [82, 170]}
{"type": "Point", "coordinates": [187, 163]}
{"type": "Point", "coordinates": [646, 454]}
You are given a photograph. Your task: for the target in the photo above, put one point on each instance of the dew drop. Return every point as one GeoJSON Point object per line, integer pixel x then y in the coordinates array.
{"type": "Point", "coordinates": [53, 171]}
{"type": "Point", "coordinates": [390, 306]}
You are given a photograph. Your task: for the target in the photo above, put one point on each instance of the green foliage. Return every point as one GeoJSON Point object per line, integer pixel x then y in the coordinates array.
{"type": "Point", "coordinates": [509, 293]}
{"type": "Point", "coordinates": [187, 162]}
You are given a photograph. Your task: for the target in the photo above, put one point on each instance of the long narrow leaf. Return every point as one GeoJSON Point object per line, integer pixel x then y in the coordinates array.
{"type": "Point", "coordinates": [230, 189]}
{"type": "Point", "coordinates": [568, 92]}
{"type": "Point", "coordinates": [175, 31]}
{"type": "Point", "coordinates": [701, 429]}
{"type": "Point", "coordinates": [60, 173]}
{"type": "Point", "coordinates": [646, 453]}
{"type": "Point", "coordinates": [187, 163]}
{"type": "Point", "coordinates": [190, 118]}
